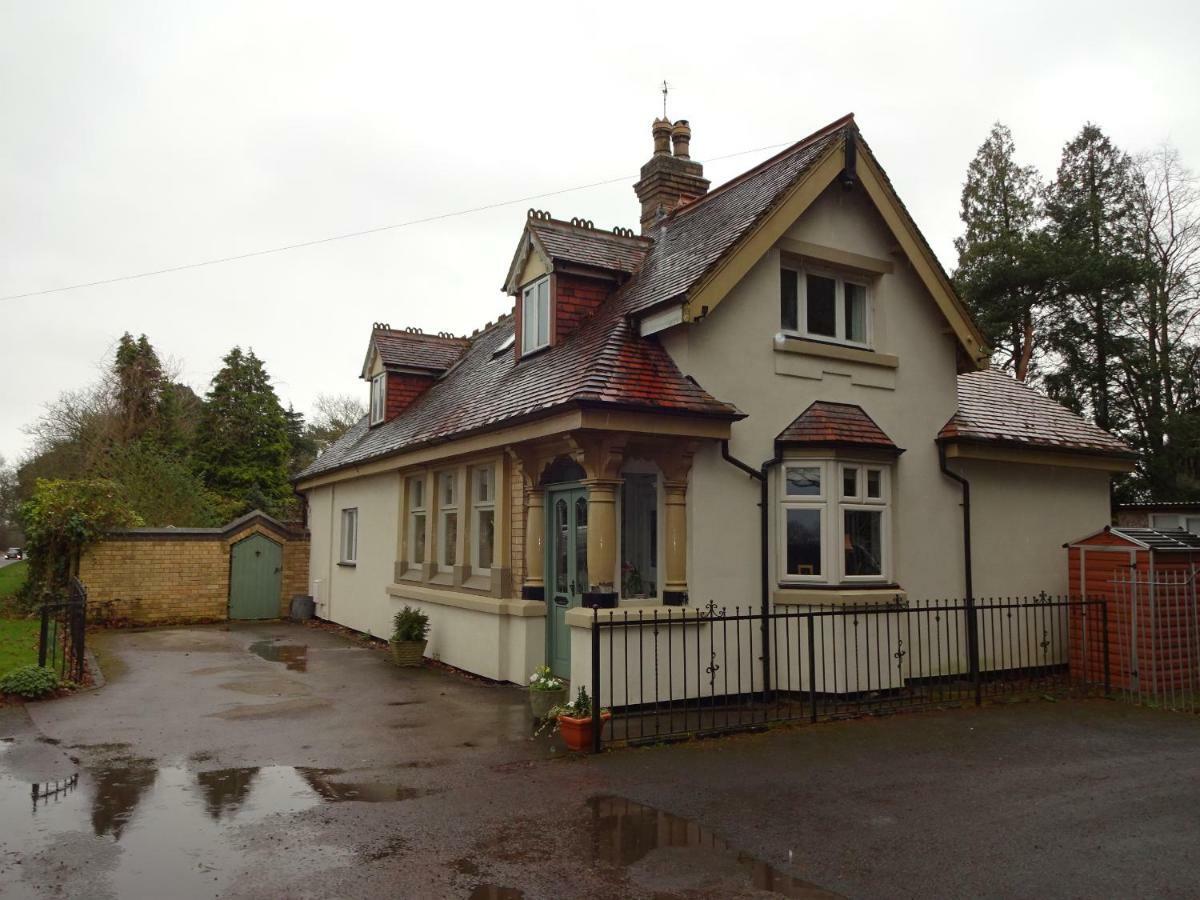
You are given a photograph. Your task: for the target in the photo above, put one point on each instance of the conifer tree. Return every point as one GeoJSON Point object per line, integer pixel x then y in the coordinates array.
{"type": "Point", "coordinates": [1001, 255]}
{"type": "Point", "coordinates": [243, 447]}
{"type": "Point", "coordinates": [1092, 210]}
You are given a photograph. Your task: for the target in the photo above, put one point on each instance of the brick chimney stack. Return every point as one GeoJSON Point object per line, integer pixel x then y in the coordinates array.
{"type": "Point", "coordinates": [669, 179]}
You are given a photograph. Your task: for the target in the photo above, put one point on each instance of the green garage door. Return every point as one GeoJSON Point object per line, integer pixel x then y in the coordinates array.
{"type": "Point", "coordinates": [254, 579]}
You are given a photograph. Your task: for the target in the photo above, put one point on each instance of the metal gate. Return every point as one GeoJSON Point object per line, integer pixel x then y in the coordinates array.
{"type": "Point", "coordinates": [63, 633]}
{"type": "Point", "coordinates": [1156, 638]}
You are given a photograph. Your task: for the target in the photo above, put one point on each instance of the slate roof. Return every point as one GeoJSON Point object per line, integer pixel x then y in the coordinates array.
{"type": "Point", "coordinates": [995, 408]}
{"type": "Point", "coordinates": [590, 247]}
{"type": "Point", "coordinates": [836, 425]}
{"type": "Point", "coordinates": [604, 362]}
{"type": "Point", "coordinates": [689, 242]}
{"type": "Point", "coordinates": [416, 350]}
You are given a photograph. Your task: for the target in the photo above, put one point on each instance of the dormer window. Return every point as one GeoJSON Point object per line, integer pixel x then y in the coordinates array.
{"type": "Point", "coordinates": [535, 316]}
{"type": "Point", "coordinates": [824, 306]}
{"type": "Point", "coordinates": [378, 397]}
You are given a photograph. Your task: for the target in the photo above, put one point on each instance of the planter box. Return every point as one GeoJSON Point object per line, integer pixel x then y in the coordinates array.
{"type": "Point", "coordinates": [577, 733]}
{"type": "Point", "coordinates": [541, 702]}
{"type": "Point", "coordinates": [408, 653]}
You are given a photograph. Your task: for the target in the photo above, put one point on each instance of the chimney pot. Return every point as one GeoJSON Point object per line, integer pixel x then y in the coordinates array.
{"type": "Point", "coordinates": [681, 137]}
{"type": "Point", "coordinates": [662, 137]}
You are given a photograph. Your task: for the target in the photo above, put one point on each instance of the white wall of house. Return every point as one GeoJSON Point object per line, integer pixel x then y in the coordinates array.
{"type": "Point", "coordinates": [732, 353]}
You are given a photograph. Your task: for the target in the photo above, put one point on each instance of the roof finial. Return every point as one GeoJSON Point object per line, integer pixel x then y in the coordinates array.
{"type": "Point", "coordinates": [665, 88]}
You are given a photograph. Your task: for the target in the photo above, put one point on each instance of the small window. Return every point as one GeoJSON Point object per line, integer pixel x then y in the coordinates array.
{"type": "Point", "coordinates": [874, 484]}
{"type": "Point", "coordinates": [378, 397]}
{"type": "Point", "coordinates": [535, 316]}
{"type": "Point", "coordinates": [416, 520]}
{"type": "Point", "coordinates": [483, 519]}
{"type": "Point", "coordinates": [804, 481]}
{"type": "Point", "coordinates": [850, 482]}
{"type": "Point", "coordinates": [349, 555]}
{"type": "Point", "coordinates": [447, 520]}
{"type": "Point", "coordinates": [824, 306]}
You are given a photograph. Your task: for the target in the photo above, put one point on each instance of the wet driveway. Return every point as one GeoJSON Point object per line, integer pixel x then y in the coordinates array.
{"type": "Point", "coordinates": [273, 760]}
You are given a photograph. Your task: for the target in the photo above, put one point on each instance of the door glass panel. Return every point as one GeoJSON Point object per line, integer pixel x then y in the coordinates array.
{"type": "Point", "coordinates": [560, 546]}
{"type": "Point", "coordinates": [581, 572]}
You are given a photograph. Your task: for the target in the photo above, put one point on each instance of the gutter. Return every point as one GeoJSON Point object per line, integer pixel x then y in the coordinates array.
{"type": "Point", "coordinates": [764, 544]}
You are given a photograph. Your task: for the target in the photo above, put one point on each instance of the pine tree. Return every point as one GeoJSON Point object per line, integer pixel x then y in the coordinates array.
{"type": "Point", "coordinates": [138, 382]}
{"type": "Point", "coordinates": [242, 446]}
{"type": "Point", "coordinates": [1092, 208]}
{"type": "Point", "coordinates": [1001, 255]}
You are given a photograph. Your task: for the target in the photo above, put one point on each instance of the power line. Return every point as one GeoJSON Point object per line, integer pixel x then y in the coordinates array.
{"type": "Point", "coordinates": [284, 248]}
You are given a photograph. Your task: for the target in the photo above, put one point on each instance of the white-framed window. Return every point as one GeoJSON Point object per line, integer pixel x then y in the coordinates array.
{"type": "Point", "coordinates": [1170, 521]}
{"type": "Point", "coordinates": [825, 306]}
{"type": "Point", "coordinates": [416, 520]}
{"type": "Point", "coordinates": [378, 398]}
{"type": "Point", "coordinates": [535, 315]}
{"type": "Point", "coordinates": [447, 487]}
{"type": "Point", "coordinates": [834, 522]}
{"type": "Point", "coordinates": [349, 542]}
{"type": "Point", "coordinates": [483, 518]}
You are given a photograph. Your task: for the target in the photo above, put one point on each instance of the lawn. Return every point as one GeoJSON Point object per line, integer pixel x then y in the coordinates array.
{"type": "Point", "coordinates": [18, 637]}
{"type": "Point", "coordinates": [18, 643]}
{"type": "Point", "coordinates": [11, 578]}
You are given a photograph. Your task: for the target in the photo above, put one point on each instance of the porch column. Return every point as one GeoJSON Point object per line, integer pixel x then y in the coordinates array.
{"type": "Point", "coordinates": [602, 539]}
{"type": "Point", "coordinates": [675, 461]}
{"type": "Point", "coordinates": [535, 539]}
{"type": "Point", "coordinates": [675, 537]}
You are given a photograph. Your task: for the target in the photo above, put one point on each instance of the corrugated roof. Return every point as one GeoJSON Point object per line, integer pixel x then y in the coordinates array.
{"type": "Point", "coordinates": [996, 408]}
{"type": "Point", "coordinates": [590, 247]}
{"type": "Point", "coordinates": [836, 424]}
{"type": "Point", "coordinates": [1160, 538]}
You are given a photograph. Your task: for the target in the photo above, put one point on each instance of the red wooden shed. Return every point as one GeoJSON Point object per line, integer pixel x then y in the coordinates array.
{"type": "Point", "coordinates": [1148, 578]}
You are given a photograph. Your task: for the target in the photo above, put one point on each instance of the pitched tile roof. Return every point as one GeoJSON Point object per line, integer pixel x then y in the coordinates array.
{"type": "Point", "coordinates": [836, 424]}
{"type": "Point", "coordinates": [689, 242]}
{"type": "Point", "coordinates": [603, 362]}
{"type": "Point", "coordinates": [416, 350]}
{"type": "Point", "coordinates": [995, 408]}
{"type": "Point", "coordinates": [581, 244]}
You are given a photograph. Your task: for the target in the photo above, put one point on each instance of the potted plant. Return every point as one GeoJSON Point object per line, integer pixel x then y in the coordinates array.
{"type": "Point", "coordinates": [410, 628]}
{"type": "Point", "coordinates": [546, 692]}
{"type": "Point", "coordinates": [574, 721]}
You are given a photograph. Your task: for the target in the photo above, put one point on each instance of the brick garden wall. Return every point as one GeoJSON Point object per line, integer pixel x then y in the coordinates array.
{"type": "Point", "coordinates": [156, 576]}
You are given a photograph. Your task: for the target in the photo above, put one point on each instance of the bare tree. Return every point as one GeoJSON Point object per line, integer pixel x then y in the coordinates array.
{"type": "Point", "coordinates": [333, 416]}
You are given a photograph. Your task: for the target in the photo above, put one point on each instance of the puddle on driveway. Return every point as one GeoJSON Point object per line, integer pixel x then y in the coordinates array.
{"type": "Point", "coordinates": [672, 854]}
{"type": "Point", "coordinates": [137, 829]}
{"type": "Point", "coordinates": [294, 656]}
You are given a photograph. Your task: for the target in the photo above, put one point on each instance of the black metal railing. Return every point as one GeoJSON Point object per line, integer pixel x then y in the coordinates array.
{"type": "Point", "coordinates": [63, 634]}
{"type": "Point", "coordinates": [670, 673]}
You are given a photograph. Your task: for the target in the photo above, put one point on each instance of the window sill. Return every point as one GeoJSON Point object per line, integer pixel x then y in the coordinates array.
{"type": "Point", "coordinates": [789, 343]}
{"type": "Point", "coordinates": [348, 565]}
{"type": "Point", "coordinates": [528, 354]}
{"type": "Point", "coordinates": [788, 595]}
{"type": "Point", "coordinates": [473, 602]}
{"type": "Point", "coordinates": [442, 578]}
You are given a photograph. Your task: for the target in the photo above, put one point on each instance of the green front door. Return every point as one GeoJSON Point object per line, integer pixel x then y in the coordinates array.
{"type": "Point", "coordinates": [255, 572]}
{"type": "Point", "coordinates": [567, 577]}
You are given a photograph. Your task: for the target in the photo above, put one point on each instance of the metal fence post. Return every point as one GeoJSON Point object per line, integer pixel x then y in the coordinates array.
{"type": "Point", "coordinates": [43, 634]}
{"type": "Point", "coordinates": [596, 721]}
{"type": "Point", "coordinates": [973, 647]}
{"type": "Point", "coordinates": [812, 665]}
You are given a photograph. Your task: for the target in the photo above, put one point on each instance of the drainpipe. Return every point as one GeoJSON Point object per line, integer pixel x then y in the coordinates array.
{"type": "Point", "coordinates": [764, 545]}
{"type": "Point", "coordinates": [969, 600]}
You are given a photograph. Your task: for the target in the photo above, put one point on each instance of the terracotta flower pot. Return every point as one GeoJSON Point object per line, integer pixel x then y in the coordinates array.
{"type": "Point", "coordinates": [541, 702]}
{"type": "Point", "coordinates": [577, 733]}
{"type": "Point", "coordinates": [408, 653]}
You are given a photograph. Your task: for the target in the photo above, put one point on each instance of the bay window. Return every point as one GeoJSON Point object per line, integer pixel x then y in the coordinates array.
{"type": "Point", "coordinates": [447, 520]}
{"type": "Point", "coordinates": [416, 520]}
{"type": "Point", "coordinates": [833, 522]}
{"type": "Point", "coordinates": [824, 306]}
{"type": "Point", "coordinates": [483, 518]}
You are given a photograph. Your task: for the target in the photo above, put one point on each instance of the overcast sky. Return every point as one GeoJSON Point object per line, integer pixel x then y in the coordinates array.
{"type": "Point", "coordinates": [139, 136]}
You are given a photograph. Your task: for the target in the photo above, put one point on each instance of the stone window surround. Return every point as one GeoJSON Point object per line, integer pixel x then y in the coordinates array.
{"type": "Point", "coordinates": [461, 577]}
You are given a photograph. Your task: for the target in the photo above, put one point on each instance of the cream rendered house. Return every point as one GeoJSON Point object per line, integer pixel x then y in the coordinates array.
{"type": "Point", "coordinates": [787, 336]}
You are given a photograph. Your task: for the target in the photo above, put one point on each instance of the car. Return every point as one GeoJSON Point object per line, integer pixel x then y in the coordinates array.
{"type": "Point", "coordinates": [13, 553]}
